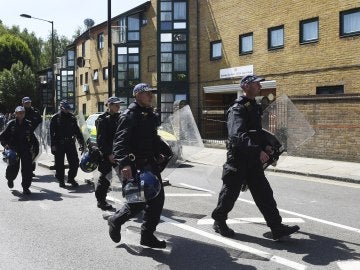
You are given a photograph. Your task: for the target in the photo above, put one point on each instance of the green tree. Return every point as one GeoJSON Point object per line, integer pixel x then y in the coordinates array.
{"type": "Point", "coordinates": [13, 49]}
{"type": "Point", "coordinates": [60, 44]}
{"type": "Point", "coordinates": [35, 45]}
{"type": "Point", "coordinates": [16, 83]}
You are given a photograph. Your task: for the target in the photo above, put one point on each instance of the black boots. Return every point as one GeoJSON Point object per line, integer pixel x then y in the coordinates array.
{"type": "Point", "coordinates": [26, 191]}
{"type": "Point", "coordinates": [148, 239]}
{"type": "Point", "coordinates": [62, 183]}
{"type": "Point", "coordinates": [283, 230]}
{"type": "Point", "coordinates": [103, 205]}
{"type": "Point", "coordinates": [114, 231]}
{"type": "Point", "coordinates": [73, 183]}
{"type": "Point", "coordinates": [10, 183]}
{"type": "Point", "coordinates": [222, 228]}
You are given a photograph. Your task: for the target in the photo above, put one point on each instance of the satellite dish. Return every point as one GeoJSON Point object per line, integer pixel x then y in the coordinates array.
{"type": "Point", "coordinates": [89, 23]}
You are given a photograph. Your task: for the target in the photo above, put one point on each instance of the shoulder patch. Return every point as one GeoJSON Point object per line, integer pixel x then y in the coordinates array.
{"type": "Point", "coordinates": [247, 104]}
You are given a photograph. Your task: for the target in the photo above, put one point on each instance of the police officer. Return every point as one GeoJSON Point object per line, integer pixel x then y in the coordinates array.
{"type": "Point", "coordinates": [33, 115]}
{"type": "Point", "coordinates": [247, 152]}
{"type": "Point", "coordinates": [106, 128]}
{"type": "Point", "coordinates": [136, 146]}
{"type": "Point", "coordinates": [63, 132]}
{"type": "Point", "coordinates": [18, 136]}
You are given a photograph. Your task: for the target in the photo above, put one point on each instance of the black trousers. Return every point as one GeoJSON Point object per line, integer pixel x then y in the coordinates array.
{"type": "Point", "coordinates": [152, 211]}
{"type": "Point", "coordinates": [260, 190]}
{"type": "Point", "coordinates": [26, 169]}
{"type": "Point", "coordinates": [68, 149]}
{"type": "Point", "coordinates": [103, 184]}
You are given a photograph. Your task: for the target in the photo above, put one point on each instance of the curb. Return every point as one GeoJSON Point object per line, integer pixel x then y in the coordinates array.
{"type": "Point", "coordinates": [322, 176]}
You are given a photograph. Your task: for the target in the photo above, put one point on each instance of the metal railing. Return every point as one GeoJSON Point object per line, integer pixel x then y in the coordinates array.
{"type": "Point", "coordinates": [213, 124]}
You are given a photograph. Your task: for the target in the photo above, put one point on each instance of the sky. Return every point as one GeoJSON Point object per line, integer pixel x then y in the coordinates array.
{"type": "Point", "coordinates": [67, 15]}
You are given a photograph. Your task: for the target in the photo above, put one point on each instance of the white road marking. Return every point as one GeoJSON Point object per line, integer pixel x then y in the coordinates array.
{"type": "Point", "coordinates": [231, 243]}
{"type": "Point", "coordinates": [210, 221]}
{"type": "Point", "coordinates": [236, 245]}
{"type": "Point", "coordinates": [295, 214]}
{"type": "Point", "coordinates": [187, 195]}
{"type": "Point", "coordinates": [197, 188]}
{"type": "Point", "coordinates": [349, 265]}
{"type": "Point", "coordinates": [312, 218]}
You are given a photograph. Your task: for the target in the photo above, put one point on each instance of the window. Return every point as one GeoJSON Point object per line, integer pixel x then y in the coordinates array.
{"type": "Point", "coordinates": [84, 108]}
{"type": "Point", "coordinates": [83, 49]}
{"type": "Point", "coordinates": [100, 41]}
{"type": "Point", "coordinates": [86, 77]}
{"type": "Point", "coordinates": [215, 50]}
{"type": "Point", "coordinates": [133, 27]}
{"type": "Point", "coordinates": [105, 73]}
{"type": "Point", "coordinates": [128, 67]}
{"type": "Point", "coordinates": [179, 10]}
{"type": "Point", "coordinates": [332, 90]}
{"type": "Point", "coordinates": [81, 79]}
{"type": "Point", "coordinates": [276, 37]}
{"type": "Point", "coordinates": [350, 22]}
{"type": "Point", "coordinates": [100, 106]}
{"type": "Point", "coordinates": [246, 43]}
{"type": "Point", "coordinates": [96, 75]}
{"type": "Point", "coordinates": [309, 30]}
{"type": "Point", "coordinates": [70, 58]}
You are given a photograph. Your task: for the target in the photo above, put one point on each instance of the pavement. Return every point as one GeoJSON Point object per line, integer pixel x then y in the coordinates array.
{"type": "Point", "coordinates": [319, 168]}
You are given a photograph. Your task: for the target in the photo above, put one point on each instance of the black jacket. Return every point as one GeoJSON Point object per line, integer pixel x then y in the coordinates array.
{"type": "Point", "coordinates": [64, 127]}
{"type": "Point", "coordinates": [19, 137]}
{"type": "Point", "coordinates": [244, 128]}
{"type": "Point", "coordinates": [136, 134]}
{"type": "Point", "coordinates": [105, 131]}
{"type": "Point", "coordinates": [33, 115]}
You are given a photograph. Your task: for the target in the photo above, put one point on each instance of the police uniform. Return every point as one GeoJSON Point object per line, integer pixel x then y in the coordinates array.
{"type": "Point", "coordinates": [243, 163]}
{"type": "Point", "coordinates": [19, 137]}
{"type": "Point", "coordinates": [137, 144]}
{"type": "Point", "coordinates": [243, 166]}
{"type": "Point", "coordinates": [105, 127]}
{"type": "Point", "coordinates": [63, 132]}
{"type": "Point", "coordinates": [33, 115]}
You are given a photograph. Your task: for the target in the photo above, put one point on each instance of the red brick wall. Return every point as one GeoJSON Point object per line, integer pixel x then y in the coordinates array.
{"type": "Point", "coordinates": [336, 121]}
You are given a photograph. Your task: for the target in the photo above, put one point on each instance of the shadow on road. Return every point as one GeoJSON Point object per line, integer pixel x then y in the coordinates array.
{"type": "Point", "coordinates": [317, 249]}
{"type": "Point", "coordinates": [42, 194]}
{"type": "Point", "coordinates": [183, 253]}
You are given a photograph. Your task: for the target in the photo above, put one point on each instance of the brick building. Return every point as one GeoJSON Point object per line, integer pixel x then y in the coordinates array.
{"type": "Point", "coordinates": [198, 51]}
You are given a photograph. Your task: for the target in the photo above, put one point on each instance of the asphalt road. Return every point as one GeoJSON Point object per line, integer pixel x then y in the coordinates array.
{"type": "Point", "coordinates": [56, 228]}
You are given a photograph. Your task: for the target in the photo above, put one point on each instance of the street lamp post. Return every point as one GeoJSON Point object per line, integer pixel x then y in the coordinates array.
{"type": "Point", "coordinates": [52, 51]}
{"type": "Point", "coordinates": [110, 71]}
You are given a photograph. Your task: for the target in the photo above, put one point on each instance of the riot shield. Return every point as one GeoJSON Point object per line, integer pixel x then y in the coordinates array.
{"type": "Point", "coordinates": [45, 126]}
{"type": "Point", "coordinates": [83, 127]}
{"type": "Point", "coordinates": [40, 136]}
{"type": "Point", "coordinates": [35, 148]}
{"type": "Point", "coordinates": [115, 180]}
{"type": "Point", "coordinates": [287, 124]}
{"type": "Point", "coordinates": [186, 132]}
{"type": "Point", "coordinates": [180, 131]}
{"type": "Point", "coordinates": [167, 134]}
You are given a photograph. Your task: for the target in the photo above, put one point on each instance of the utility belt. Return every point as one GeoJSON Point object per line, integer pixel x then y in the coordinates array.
{"type": "Point", "coordinates": [140, 160]}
